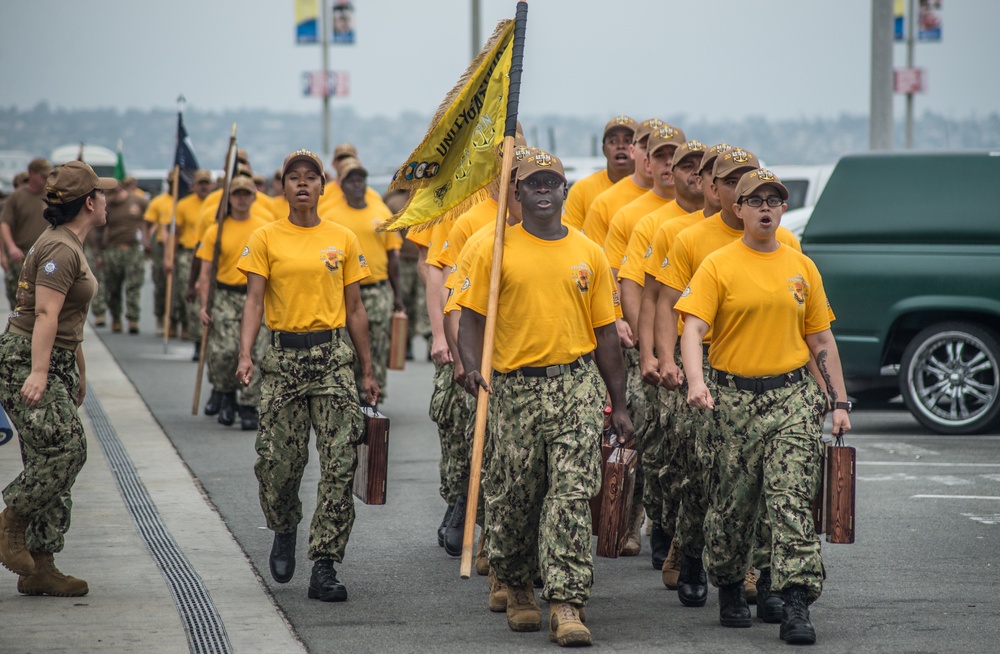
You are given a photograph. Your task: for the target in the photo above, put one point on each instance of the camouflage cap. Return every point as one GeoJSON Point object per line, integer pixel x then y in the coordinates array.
{"type": "Point", "coordinates": [73, 180]}
{"type": "Point", "coordinates": [754, 179]}
{"type": "Point", "coordinates": [735, 160]}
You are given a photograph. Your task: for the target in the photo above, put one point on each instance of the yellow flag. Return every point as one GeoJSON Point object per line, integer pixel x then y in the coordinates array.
{"type": "Point", "coordinates": [456, 165]}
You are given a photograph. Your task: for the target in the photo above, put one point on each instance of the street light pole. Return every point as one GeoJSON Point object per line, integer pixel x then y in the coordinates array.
{"type": "Point", "coordinates": [880, 119]}
{"type": "Point", "coordinates": [910, 37]}
{"type": "Point", "coordinates": [325, 46]}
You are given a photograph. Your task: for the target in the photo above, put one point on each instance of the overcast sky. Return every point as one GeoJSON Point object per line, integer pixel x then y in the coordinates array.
{"type": "Point", "coordinates": [717, 59]}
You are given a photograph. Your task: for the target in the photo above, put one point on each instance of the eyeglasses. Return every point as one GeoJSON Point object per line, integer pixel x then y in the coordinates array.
{"type": "Point", "coordinates": [551, 182]}
{"type": "Point", "coordinates": [757, 201]}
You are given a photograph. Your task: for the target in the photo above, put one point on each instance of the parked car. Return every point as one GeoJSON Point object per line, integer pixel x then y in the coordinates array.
{"type": "Point", "coordinates": [804, 184]}
{"type": "Point", "coordinates": [909, 249]}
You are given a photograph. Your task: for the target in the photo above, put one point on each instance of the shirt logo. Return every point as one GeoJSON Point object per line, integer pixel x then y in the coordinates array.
{"type": "Point", "coordinates": [466, 284]}
{"type": "Point", "coordinates": [687, 291]}
{"type": "Point", "coordinates": [246, 251]}
{"type": "Point", "coordinates": [665, 263]}
{"type": "Point", "coordinates": [615, 298]}
{"type": "Point", "coordinates": [799, 289]}
{"type": "Point", "coordinates": [49, 267]}
{"type": "Point", "coordinates": [581, 275]}
{"type": "Point", "coordinates": [362, 261]}
{"type": "Point", "coordinates": [331, 258]}
{"type": "Point", "coordinates": [649, 252]}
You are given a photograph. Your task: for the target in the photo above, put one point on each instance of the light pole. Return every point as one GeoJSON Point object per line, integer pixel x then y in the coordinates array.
{"type": "Point", "coordinates": [880, 118]}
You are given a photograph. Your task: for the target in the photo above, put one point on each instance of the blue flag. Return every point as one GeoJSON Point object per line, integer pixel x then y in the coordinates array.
{"type": "Point", "coordinates": [184, 159]}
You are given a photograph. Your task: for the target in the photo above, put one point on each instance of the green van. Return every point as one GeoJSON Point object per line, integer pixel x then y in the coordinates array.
{"type": "Point", "coordinates": [909, 249]}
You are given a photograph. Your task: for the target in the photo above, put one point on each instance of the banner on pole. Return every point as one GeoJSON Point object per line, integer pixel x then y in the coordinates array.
{"type": "Point", "coordinates": [456, 165]}
{"type": "Point", "coordinates": [306, 21]}
{"type": "Point", "coordinates": [336, 83]}
{"type": "Point", "coordinates": [907, 81]}
{"type": "Point", "coordinates": [342, 25]}
{"type": "Point", "coordinates": [929, 20]}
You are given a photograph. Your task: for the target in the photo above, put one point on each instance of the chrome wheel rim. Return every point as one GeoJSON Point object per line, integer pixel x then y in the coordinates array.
{"type": "Point", "coordinates": [954, 378]}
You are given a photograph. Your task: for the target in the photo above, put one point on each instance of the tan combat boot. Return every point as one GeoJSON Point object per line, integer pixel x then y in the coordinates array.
{"type": "Point", "coordinates": [566, 627]}
{"type": "Point", "coordinates": [498, 593]}
{"type": "Point", "coordinates": [47, 580]}
{"type": "Point", "coordinates": [14, 555]}
{"type": "Point", "coordinates": [482, 563]}
{"type": "Point", "coordinates": [633, 544]}
{"type": "Point", "coordinates": [750, 586]}
{"type": "Point", "coordinates": [133, 326]}
{"type": "Point", "coordinates": [116, 325]}
{"type": "Point", "coordinates": [523, 613]}
{"type": "Point", "coordinates": [672, 568]}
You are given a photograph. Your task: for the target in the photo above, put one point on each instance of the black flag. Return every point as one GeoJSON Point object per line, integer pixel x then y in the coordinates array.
{"type": "Point", "coordinates": [184, 159]}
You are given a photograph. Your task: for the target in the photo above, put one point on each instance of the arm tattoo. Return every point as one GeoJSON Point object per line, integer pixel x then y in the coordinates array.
{"type": "Point", "coordinates": [821, 362]}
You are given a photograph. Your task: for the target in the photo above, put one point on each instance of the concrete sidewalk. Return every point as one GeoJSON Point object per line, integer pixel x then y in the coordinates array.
{"type": "Point", "coordinates": [130, 607]}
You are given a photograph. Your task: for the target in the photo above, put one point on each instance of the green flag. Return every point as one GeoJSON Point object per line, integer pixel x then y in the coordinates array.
{"type": "Point", "coordinates": [119, 173]}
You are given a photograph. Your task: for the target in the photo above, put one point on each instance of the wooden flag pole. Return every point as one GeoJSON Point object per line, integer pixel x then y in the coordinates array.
{"type": "Point", "coordinates": [220, 216]}
{"type": "Point", "coordinates": [489, 333]}
{"type": "Point", "coordinates": [168, 256]}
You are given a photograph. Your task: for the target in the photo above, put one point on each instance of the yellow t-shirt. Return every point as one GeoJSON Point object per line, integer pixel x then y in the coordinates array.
{"type": "Point", "coordinates": [189, 221]}
{"type": "Point", "coordinates": [581, 195]}
{"type": "Point", "coordinates": [307, 269]}
{"type": "Point", "coordinates": [606, 205]}
{"type": "Point", "coordinates": [333, 196]}
{"type": "Point", "coordinates": [235, 234]}
{"type": "Point", "coordinates": [479, 216]}
{"type": "Point", "coordinates": [158, 211]}
{"type": "Point", "coordinates": [620, 229]}
{"type": "Point", "coordinates": [210, 210]}
{"type": "Point", "coordinates": [374, 245]}
{"type": "Point", "coordinates": [438, 237]}
{"type": "Point", "coordinates": [693, 244]}
{"type": "Point", "coordinates": [760, 307]}
{"type": "Point", "coordinates": [279, 207]}
{"type": "Point", "coordinates": [640, 245]}
{"type": "Point", "coordinates": [421, 237]}
{"type": "Point", "coordinates": [460, 270]}
{"type": "Point", "coordinates": [553, 294]}
{"type": "Point", "coordinates": [664, 238]}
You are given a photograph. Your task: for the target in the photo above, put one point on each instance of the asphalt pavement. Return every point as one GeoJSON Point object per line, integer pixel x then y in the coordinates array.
{"type": "Point", "coordinates": [921, 577]}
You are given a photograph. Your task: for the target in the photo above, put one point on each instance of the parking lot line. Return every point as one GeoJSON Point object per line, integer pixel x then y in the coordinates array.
{"type": "Point", "coordinates": [953, 497]}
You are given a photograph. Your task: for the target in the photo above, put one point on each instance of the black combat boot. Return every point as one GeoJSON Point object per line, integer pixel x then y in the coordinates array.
{"type": "Point", "coordinates": [692, 586]}
{"type": "Point", "coordinates": [282, 561]}
{"type": "Point", "coordinates": [455, 530]}
{"type": "Point", "coordinates": [659, 542]}
{"type": "Point", "coordinates": [213, 404]}
{"type": "Point", "coordinates": [323, 584]}
{"type": "Point", "coordinates": [769, 605]}
{"type": "Point", "coordinates": [227, 409]}
{"type": "Point", "coordinates": [248, 418]}
{"type": "Point", "coordinates": [733, 608]}
{"type": "Point", "coordinates": [444, 524]}
{"type": "Point", "coordinates": [795, 626]}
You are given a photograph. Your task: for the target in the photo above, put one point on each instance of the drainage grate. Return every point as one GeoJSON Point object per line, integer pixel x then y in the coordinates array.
{"type": "Point", "coordinates": [202, 623]}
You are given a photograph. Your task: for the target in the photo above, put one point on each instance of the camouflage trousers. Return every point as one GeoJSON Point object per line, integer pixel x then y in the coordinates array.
{"type": "Point", "coordinates": [10, 277]}
{"type": "Point", "coordinates": [53, 444]}
{"type": "Point", "coordinates": [765, 448]}
{"type": "Point", "coordinates": [123, 268]}
{"type": "Point", "coordinates": [377, 299]}
{"type": "Point", "coordinates": [98, 306]}
{"type": "Point", "coordinates": [636, 403]}
{"type": "Point", "coordinates": [658, 450]}
{"type": "Point", "coordinates": [160, 284]}
{"type": "Point", "coordinates": [223, 352]}
{"type": "Point", "coordinates": [685, 474]}
{"type": "Point", "coordinates": [543, 469]}
{"type": "Point", "coordinates": [449, 410]}
{"type": "Point", "coordinates": [187, 310]}
{"type": "Point", "coordinates": [414, 299]}
{"type": "Point", "coordinates": [302, 389]}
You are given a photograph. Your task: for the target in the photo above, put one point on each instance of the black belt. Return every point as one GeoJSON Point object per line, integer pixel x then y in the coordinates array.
{"type": "Point", "coordinates": [759, 384]}
{"type": "Point", "coordinates": [229, 287]}
{"type": "Point", "coordinates": [294, 340]}
{"type": "Point", "coordinates": [374, 284]}
{"type": "Point", "coordinates": [551, 371]}
{"type": "Point", "coordinates": [704, 348]}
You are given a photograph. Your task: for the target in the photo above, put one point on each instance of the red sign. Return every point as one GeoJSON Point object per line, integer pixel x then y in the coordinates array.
{"type": "Point", "coordinates": [336, 83]}
{"type": "Point", "coordinates": [909, 80]}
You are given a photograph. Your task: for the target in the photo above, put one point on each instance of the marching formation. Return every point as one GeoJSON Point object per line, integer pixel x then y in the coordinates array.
{"type": "Point", "coordinates": [658, 300]}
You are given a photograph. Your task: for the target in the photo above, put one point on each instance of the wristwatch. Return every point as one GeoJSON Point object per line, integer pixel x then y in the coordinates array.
{"type": "Point", "coordinates": [846, 406]}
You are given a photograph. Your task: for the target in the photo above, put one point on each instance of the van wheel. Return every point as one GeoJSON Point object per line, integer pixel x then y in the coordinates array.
{"type": "Point", "coordinates": [950, 378]}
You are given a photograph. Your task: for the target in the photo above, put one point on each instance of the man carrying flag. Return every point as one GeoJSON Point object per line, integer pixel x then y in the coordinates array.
{"type": "Point", "coordinates": [546, 415]}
